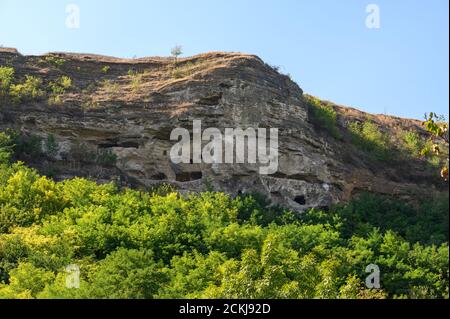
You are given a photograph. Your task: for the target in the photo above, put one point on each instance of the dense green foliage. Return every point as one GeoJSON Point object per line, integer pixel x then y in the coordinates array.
{"type": "Point", "coordinates": [32, 148]}
{"type": "Point", "coordinates": [6, 147]}
{"type": "Point", "coordinates": [53, 61]}
{"type": "Point", "coordinates": [368, 137]}
{"type": "Point", "coordinates": [58, 88]}
{"type": "Point", "coordinates": [131, 244]}
{"type": "Point", "coordinates": [412, 143]}
{"type": "Point", "coordinates": [30, 89]}
{"type": "Point", "coordinates": [6, 78]}
{"type": "Point", "coordinates": [323, 115]}
{"type": "Point", "coordinates": [51, 146]}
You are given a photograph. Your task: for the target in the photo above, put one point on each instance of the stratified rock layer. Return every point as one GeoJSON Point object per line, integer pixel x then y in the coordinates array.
{"type": "Point", "coordinates": [129, 107]}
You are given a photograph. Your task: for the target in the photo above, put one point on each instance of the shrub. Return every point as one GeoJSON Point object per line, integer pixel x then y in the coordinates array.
{"type": "Point", "coordinates": [27, 145]}
{"type": "Point", "coordinates": [135, 80]}
{"type": "Point", "coordinates": [51, 146]}
{"type": "Point", "coordinates": [6, 147]}
{"type": "Point", "coordinates": [20, 145]}
{"type": "Point", "coordinates": [413, 143]}
{"type": "Point", "coordinates": [61, 85]}
{"type": "Point", "coordinates": [6, 78]}
{"type": "Point", "coordinates": [65, 82]}
{"type": "Point", "coordinates": [323, 116]}
{"type": "Point", "coordinates": [58, 88]}
{"type": "Point", "coordinates": [26, 281]}
{"type": "Point", "coordinates": [371, 139]}
{"type": "Point", "coordinates": [137, 275]}
{"type": "Point", "coordinates": [55, 100]}
{"type": "Point", "coordinates": [54, 61]}
{"type": "Point", "coordinates": [106, 157]}
{"type": "Point", "coordinates": [425, 222]}
{"type": "Point", "coordinates": [105, 69]}
{"type": "Point", "coordinates": [28, 90]}
{"type": "Point", "coordinates": [163, 189]}
{"type": "Point", "coordinates": [434, 161]}
{"type": "Point", "coordinates": [26, 197]}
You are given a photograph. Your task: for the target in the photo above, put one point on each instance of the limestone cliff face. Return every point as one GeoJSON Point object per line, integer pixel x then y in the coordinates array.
{"type": "Point", "coordinates": [129, 108]}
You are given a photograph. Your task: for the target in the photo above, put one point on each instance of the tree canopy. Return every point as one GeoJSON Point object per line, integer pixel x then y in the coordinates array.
{"type": "Point", "coordinates": [160, 244]}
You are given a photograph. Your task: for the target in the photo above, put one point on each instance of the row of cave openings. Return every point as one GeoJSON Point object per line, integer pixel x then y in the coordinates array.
{"type": "Point", "coordinates": [182, 177]}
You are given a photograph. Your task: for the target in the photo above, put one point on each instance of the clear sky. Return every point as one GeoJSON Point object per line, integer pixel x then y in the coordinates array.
{"type": "Point", "coordinates": [401, 68]}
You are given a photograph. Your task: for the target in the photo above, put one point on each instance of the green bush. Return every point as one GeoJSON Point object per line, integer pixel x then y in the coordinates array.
{"type": "Point", "coordinates": [323, 116]}
{"type": "Point", "coordinates": [28, 90]}
{"type": "Point", "coordinates": [106, 157]}
{"type": "Point", "coordinates": [135, 80]}
{"type": "Point", "coordinates": [6, 79]}
{"type": "Point", "coordinates": [371, 139]}
{"type": "Point", "coordinates": [22, 145]}
{"type": "Point", "coordinates": [26, 197]}
{"type": "Point", "coordinates": [65, 82]}
{"type": "Point", "coordinates": [28, 144]}
{"type": "Point", "coordinates": [54, 61]}
{"type": "Point", "coordinates": [416, 146]}
{"type": "Point", "coordinates": [105, 69]}
{"type": "Point", "coordinates": [413, 143]}
{"type": "Point", "coordinates": [6, 148]}
{"type": "Point", "coordinates": [51, 146]}
{"type": "Point", "coordinates": [163, 189]}
{"type": "Point", "coordinates": [55, 100]}
{"type": "Point", "coordinates": [58, 88]}
{"type": "Point", "coordinates": [426, 223]}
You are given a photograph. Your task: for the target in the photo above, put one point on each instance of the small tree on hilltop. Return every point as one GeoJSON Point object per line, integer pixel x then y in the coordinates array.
{"type": "Point", "coordinates": [176, 51]}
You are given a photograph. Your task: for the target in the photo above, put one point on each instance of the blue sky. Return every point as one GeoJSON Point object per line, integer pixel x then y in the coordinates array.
{"type": "Point", "coordinates": [402, 68]}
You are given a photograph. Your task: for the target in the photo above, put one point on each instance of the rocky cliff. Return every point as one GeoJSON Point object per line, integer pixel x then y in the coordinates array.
{"type": "Point", "coordinates": [112, 121]}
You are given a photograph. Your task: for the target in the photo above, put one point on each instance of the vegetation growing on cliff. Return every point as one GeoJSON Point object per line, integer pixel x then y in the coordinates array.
{"type": "Point", "coordinates": [412, 143]}
{"type": "Point", "coordinates": [53, 61]}
{"type": "Point", "coordinates": [58, 88]}
{"type": "Point", "coordinates": [29, 89]}
{"type": "Point", "coordinates": [323, 115]}
{"type": "Point", "coordinates": [371, 139]}
{"type": "Point", "coordinates": [131, 244]}
{"type": "Point", "coordinates": [6, 78]}
{"type": "Point", "coordinates": [438, 127]}
{"type": "Point", "coordinates": [135, 80]}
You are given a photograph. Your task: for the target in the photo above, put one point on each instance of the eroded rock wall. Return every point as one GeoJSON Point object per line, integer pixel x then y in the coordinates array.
{"type": "Point", "coordinates": [130, 107]}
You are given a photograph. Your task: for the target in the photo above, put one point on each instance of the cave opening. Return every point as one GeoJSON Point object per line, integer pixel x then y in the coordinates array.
{"type": "Point", "coordinates": [301, 200]}
{"type": "Point", "coordinates": [159, 177]}
{"type": "Point", "coordinates": [188, 176]}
